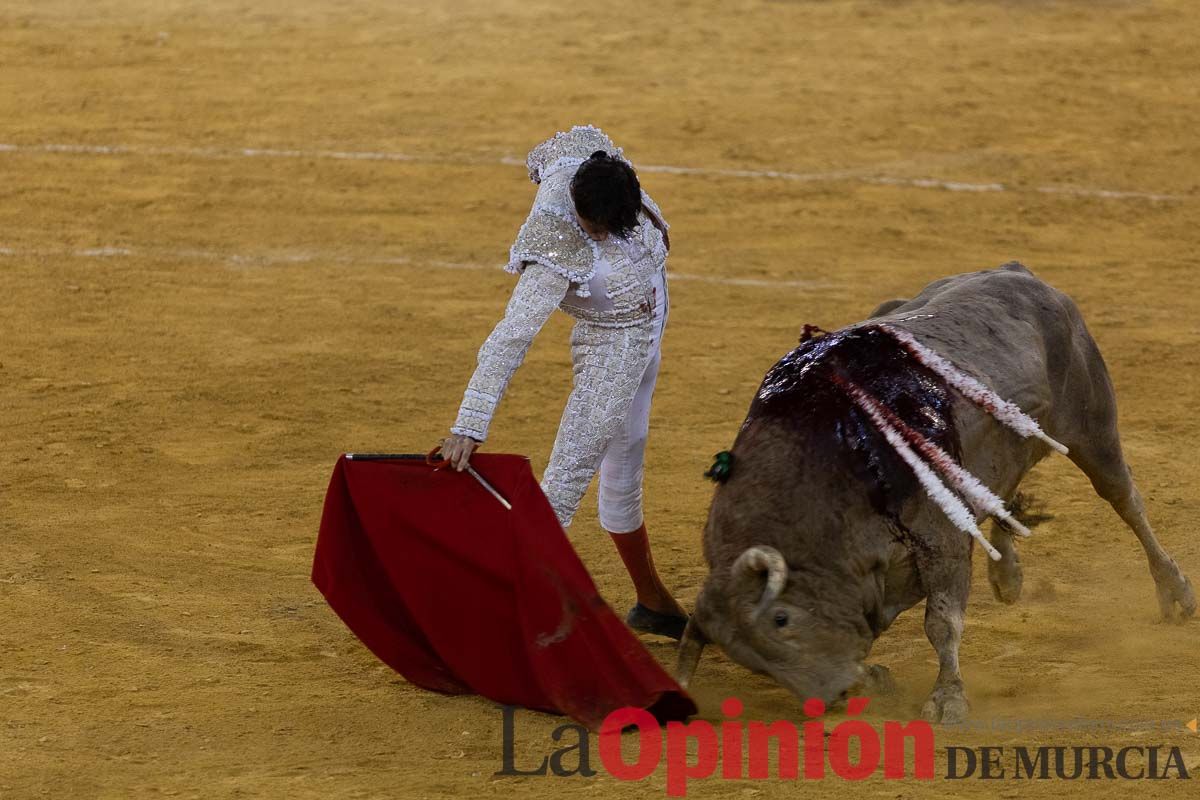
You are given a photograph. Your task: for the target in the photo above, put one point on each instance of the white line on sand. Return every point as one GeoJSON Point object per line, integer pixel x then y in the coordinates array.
{"type": "Point", "coordinates": [265, 259]}
{"type": "Point", "coordinates": [853, 176]}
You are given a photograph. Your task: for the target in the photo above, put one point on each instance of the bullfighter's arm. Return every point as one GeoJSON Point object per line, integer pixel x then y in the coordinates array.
{"type": "Point", "coordinates": [538, 293]}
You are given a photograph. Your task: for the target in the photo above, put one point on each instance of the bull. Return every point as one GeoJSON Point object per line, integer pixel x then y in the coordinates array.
{"type": "Point", "coordinates": [821, 534]}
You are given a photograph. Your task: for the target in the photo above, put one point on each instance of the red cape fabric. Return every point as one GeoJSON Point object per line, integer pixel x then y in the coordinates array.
{"type": "Point", "coordinates": [461, 596]}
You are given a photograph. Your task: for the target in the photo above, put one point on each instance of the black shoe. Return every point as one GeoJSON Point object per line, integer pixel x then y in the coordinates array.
{"type": "Point", "coordinates": [645, 620]}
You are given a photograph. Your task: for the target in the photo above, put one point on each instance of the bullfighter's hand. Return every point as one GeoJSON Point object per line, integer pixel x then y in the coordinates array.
{"type": "Point", "coordinates": [458, 449]}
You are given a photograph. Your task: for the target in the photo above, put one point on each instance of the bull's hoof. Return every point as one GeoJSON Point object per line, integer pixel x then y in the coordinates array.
{"type": "Point", "coordinates": [1175, 589]}
{"type": "Point", "coordinates": [947, 705]}
{"type": "Point", "coordinates": [1006, 578]}
{"type": "Point", "coordinates": [878, 681]}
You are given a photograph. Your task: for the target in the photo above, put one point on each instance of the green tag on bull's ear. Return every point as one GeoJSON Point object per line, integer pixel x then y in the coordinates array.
{"type": "Point", "coordinates": [721, 468]}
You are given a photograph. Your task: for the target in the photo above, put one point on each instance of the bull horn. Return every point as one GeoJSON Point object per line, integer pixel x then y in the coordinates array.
{"type": "Point", "coordinates": [757, 560]}
{"type": "Point", "coordinates": [690, 645]}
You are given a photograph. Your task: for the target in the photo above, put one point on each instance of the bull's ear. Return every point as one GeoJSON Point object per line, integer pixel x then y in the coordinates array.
{"type": "Point", "coordinates": [760, 569]}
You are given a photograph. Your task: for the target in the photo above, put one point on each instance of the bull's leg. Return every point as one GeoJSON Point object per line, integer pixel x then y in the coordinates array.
{"type": "Point", "coordinates": [878, 681]}
{"type": "Point", "coordinates": [945, 608]}
{"type": "Point", "coordinates": [943, 570]}
{"type": "Point", "coordinates": [1004, 575]}
{"type": "Point", "coordinates": [1101, 460]}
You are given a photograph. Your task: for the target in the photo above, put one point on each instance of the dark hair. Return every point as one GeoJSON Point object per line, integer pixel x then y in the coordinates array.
{"type": "Point", "coordinates": [606, 191]}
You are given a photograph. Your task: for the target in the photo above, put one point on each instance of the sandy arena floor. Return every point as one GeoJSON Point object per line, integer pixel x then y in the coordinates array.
{"type": "Point", "coordinates": [218, 275]}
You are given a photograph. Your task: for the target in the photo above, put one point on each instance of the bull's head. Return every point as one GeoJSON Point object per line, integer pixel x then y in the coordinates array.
{"type": "Point", "coordinates": [780, 622]}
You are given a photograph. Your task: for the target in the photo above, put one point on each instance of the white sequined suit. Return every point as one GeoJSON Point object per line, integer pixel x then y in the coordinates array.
{"type": "Point", "coordinates": [616, 291]}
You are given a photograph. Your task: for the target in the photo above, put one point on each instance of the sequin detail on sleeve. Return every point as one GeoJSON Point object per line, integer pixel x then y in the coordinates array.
{"type": "Point", "coordinates": [653, 208]}
{"type": "Point", "coordinates": [537, 294]}
{"type": "Point", "coordinates": [554, 241]}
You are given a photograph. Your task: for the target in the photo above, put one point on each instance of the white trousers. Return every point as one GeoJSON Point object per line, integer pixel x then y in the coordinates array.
{"type": "Point", "coordinates": [606, 422]}
{"type": "Point", "coordinates": [623, 466]}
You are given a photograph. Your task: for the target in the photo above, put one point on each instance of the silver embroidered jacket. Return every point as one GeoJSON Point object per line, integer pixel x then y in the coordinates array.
{"type": "Point", "coordinates": [614, 283]}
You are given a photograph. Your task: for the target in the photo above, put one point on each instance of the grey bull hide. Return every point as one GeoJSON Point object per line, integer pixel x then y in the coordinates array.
{"type": "Point", "coordinates": [820, 536]}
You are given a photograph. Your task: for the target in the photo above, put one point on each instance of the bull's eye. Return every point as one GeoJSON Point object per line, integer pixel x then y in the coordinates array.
{"type": "Point", "coordinates": [781, 619]}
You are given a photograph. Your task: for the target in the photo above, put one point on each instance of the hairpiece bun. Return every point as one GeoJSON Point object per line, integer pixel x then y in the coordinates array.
{"type": "Point", "coordinates": [599, 154]}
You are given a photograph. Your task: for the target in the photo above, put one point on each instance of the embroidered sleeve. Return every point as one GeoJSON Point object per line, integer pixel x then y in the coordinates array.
{"type": "Point", "coordinates": [656, 217]}
{"type": "Point", "coordinates": [553, 240]}
{"type": "Point", "coordinates": [537, 294]}
{"type": "Point", "coordinates": [651, 206]}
